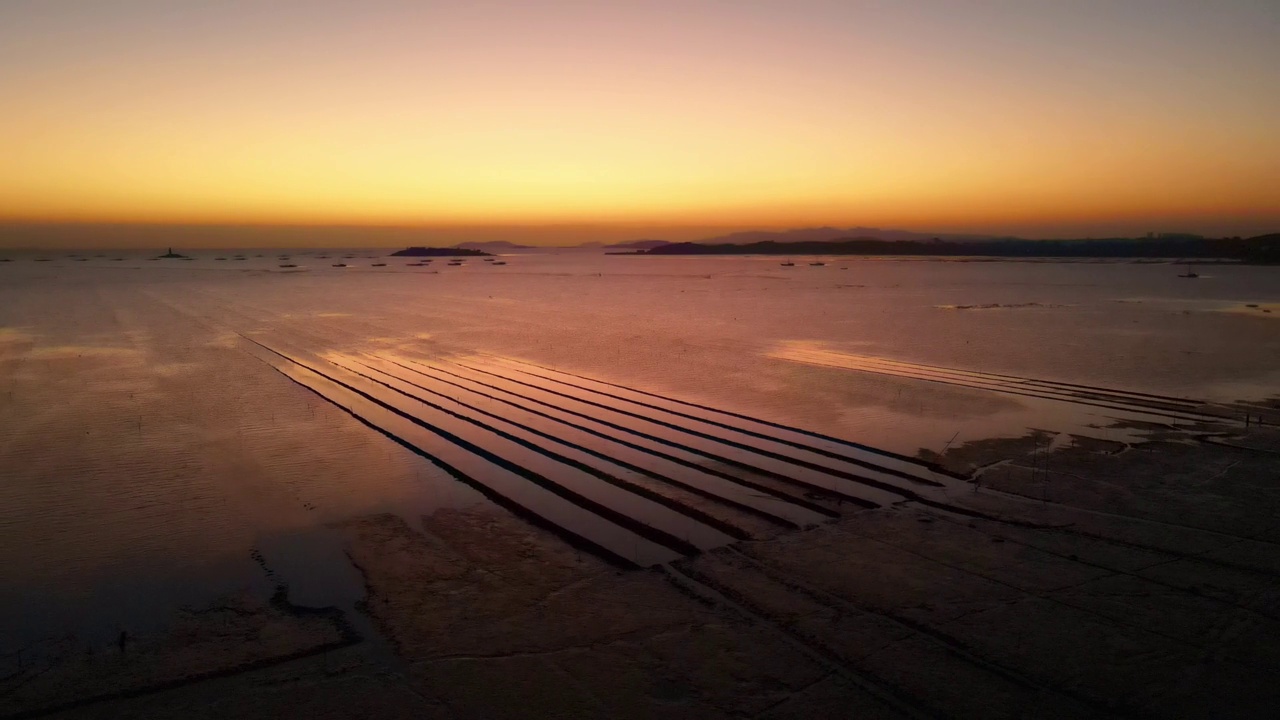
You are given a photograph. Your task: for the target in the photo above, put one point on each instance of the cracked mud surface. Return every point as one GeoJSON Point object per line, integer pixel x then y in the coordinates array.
{"type": "Point", "coordinates": [1097, 579]}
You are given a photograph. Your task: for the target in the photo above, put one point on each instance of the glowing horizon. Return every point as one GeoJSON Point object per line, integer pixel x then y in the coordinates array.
{"type": "Point", "coordinates": [1031, 118]}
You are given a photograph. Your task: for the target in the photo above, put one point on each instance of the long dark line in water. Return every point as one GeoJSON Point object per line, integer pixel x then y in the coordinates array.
{"type": "Point", "coordinates": [764, 489]}
{"type": "Point", "coordinates": [1134, 410]}
{"type": "Point", "coordinates": [516, 508]}
{"type": "Point", "coordinates": [965, 378]}
{"type": "Point", "coordinates": [969, 380]}
{"type": "Point", "coordinates": [648, 472]}
{"type": "Point", "coordinates": [621, 519]}
{"type": "Point", "coordinates": [1081, 398]}
{"type": "Point", "coordinates": [1023, 381]}
{"type": "Point", "coordinates": [687, 448]}
{"type": "Point", "coordinates": [1051, 382]}
{"type": "Point", "coordinates": [751, 433]}
{"type": "Point", "coordinates": [810, 433]}
{"type": "Point", "coordinates": [886, 487]}
{"type": "Point", "coordinates": [658, 498]}
{"type": "Point", "coordinates": [678, 430]}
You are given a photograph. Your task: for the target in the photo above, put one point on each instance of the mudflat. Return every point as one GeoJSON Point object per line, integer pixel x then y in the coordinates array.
{"type": "Point", "coordinates": [320, 494]}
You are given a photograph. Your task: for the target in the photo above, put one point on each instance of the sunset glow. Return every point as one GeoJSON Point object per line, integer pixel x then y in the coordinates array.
{"type": "Point", "coordinates": [1029, 117]}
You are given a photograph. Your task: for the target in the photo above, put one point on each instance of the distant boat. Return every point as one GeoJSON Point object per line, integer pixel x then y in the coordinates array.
{"type": "Point", "coordinates": [788, 264]}
{"type": "Point", "coordinates": [499, 262]}
{"type": "Point", "coordinates": [1189, 273]}
{"type": "Point", "coordinates": [379, 264]}
{"type": "Point", "coordinates": [817, 264]}
{"type": "Point", "coordinates": [414, 264]}
{"type": "Point", "coordinates": [288, 265]}
{"type": "Point", "coordinates": [339, 264]}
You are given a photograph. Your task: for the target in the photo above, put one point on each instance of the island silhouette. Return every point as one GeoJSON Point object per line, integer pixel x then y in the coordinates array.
{"type": "Point", "coordinates": [418, 251]}
{"type": "Point", "coordinates": [1264, 249]}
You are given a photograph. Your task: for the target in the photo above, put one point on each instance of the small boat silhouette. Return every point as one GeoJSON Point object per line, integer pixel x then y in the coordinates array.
{"type": "Point", "coordinates": [288, 265]}
{"type": "Point", "coordinates": [817, 264]}
{"type": "Point", "coordinates": [339, 264]}
{"type": "Point", "coordinates": [788, 264]}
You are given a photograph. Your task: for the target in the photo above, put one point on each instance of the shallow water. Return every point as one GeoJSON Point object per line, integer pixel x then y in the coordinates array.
{"type": "Point", "coordinates": [151, 455]}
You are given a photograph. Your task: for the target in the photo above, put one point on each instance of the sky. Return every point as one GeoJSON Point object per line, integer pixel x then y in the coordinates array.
{"type": "Point", "coordinates": [568, 121]}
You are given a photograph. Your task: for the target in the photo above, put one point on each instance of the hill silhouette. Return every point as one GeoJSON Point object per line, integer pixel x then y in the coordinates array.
{"type": "Point", "coordinates": [438, 252]}
{"type": "Point", "coordinates": [1264, 249]}
{"type": "Point", "coordinates": [492, 246]}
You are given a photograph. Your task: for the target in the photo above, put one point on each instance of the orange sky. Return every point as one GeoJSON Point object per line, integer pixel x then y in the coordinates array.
{"type": "Point", "coordinates": [635, 119]}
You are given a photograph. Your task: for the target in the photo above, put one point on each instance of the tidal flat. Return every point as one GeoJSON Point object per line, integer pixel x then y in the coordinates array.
{"type": "Point", "coordinates": [602, 486]}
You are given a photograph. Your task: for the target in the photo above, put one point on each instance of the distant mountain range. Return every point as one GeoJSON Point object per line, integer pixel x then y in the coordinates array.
{"type": "Point", "coordinates": [827, 234]}
{"type": "Point", "coordinates": [493, 246]}
{"type": "Point", "coordinates": [637, 245]}
{"type": "Point", "coordinates": [1264, 249]}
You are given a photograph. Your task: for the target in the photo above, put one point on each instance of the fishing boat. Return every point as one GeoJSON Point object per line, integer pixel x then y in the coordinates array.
{"type": "Point", "coordinates": [817, 264]}
{"type": "Point", "coordinates": [379, 264]}
{"type": "Point", "coordinates": [288, 265]}
{"type": "Point", "coordinates": [1189, 273]}
{"type": "Point", "coordinates": [339, 264]}
{"type": "Point", "coordinates": [788, 264]}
